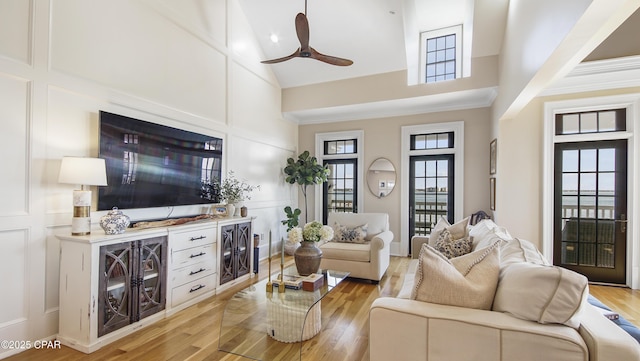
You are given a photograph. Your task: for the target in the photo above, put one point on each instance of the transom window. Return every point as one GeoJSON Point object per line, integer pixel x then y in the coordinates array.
{"type": "Point", "coordinates": [432, 141]}
{"type": "Point", "coordinates": [591, 122]}
{"type": "Point", "coordinates": [345, 146]}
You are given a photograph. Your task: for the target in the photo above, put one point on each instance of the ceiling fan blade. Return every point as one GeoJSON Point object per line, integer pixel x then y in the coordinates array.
{"type": "Point", "coordinates": [333, 60]}
{"type": "Point", "coordinates": [302, 29]}
{"type": "Point", "coordinates": [285, 58]}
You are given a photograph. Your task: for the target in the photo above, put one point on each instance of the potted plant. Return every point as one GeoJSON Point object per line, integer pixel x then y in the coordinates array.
{"type": "Point", "coordinates": [234, 191]}
{"type": "Point", "coordinates": [305, 171]}
{"type": "Point", "coordinates": [294, 233]}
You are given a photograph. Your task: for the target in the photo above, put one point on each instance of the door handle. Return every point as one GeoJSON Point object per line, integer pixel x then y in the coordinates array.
{"type": "Point", "coordinates": [623, 223]}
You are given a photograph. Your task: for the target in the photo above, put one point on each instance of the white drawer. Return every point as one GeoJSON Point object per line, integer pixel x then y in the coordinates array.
{"type": "Point", "coordinates": [188, 239]}
{"type": "Point", "coordinates": [191, 256]}
{"type": "Point", "coordinates": [192, 272]}
{"type": "Point", "coordinates": [193, 289]}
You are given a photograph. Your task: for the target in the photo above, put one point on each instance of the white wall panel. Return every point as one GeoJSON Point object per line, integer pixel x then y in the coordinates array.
{"type": "Point", "coordinates": [208, 16]}
{"type": "Point", "coordinates": [124, 45]}
{"type": "Point", "coordinates": [14, 118]}
{"type": "Point", "coordinates": [15, 29]}
{"type": "Point", "coordinates": [13, 253]}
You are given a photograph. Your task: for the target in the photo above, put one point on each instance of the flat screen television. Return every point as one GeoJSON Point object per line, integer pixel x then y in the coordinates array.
{"type": "Point", "coordinates": [152, 165]}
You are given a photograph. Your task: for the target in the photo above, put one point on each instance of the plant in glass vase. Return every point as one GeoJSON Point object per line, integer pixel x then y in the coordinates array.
{"type": "Point", "coordinates": [234, 191]}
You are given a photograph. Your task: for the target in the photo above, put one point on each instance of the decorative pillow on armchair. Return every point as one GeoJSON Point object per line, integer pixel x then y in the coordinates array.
{"type": "Point", "coordinates": [466, 281]}
{"type": "Point", "coordinates": [451, 247]}
{"type": "Point", "coordinates": [346, 234]}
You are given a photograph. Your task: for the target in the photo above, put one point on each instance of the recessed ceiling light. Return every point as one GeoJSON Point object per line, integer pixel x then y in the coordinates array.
{"type": "Point", "coordinates": [274, 38]}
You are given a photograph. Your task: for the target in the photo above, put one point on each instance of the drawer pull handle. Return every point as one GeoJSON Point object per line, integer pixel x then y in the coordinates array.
{"type": "Point", "coordinates": [197, 255]}
{"type": "Point", "coordinates": [197, 238]}
{"type": "Point", "coordinates": [195, 272]}
{"type": "Point", "coordinates": [195, 288]}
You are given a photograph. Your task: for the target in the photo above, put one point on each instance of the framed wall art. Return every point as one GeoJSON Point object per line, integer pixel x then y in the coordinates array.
{"type": "Point", "coordinates": [493, 149]}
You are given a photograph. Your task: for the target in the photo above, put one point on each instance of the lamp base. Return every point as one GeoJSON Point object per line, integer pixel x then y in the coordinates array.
{"type": "Point", "coordinates": [80, 226]}
{"type": "Point", "coordinates": [81, 221]}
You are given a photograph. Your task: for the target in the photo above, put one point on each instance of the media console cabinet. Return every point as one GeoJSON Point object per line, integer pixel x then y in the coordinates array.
{"type": "Point", "coordinates": [113, 285]}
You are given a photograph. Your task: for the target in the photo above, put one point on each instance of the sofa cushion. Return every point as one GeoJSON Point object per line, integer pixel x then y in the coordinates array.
{"type": "Point", "coordinates": [520, 250]}
{"type": "Point", "coordinates": [486, 233]}
{"type": "Point", "coordinates": [458, 230]}
{"type": "Point", "coordinates": [541, 293]}
{"type": "Point", "coordinates": [451, 247]}
{"type": "Point", "coordinates": [466, 281]}
{"type": "Point", "coordinates": [359, 252]}
{"type": "Point", "coordinates": [346, 234]}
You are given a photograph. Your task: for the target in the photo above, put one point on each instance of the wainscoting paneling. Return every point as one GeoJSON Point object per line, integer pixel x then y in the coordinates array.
{"type": "Point", "coordinates": [14, 115]}
{"type": "Point", "coordinates": [15, 280]}
{"type": "Point", "coordinates": [15, 38]}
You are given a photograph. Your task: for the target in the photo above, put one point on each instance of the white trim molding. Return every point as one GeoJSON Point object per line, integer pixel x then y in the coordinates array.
{"type": "Point", "coordinates": [631, 102]}
{"type": "Point", "coordinates": [402, 248]}
{"type": "Point", "coordinates": [598, 75]}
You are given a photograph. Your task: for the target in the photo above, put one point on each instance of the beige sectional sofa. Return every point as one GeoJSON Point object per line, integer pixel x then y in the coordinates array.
{"type": "Point", "coordinates": [544, 314]}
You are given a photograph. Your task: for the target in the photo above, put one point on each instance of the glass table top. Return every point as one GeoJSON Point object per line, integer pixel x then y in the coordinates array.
{"type": "Point", "coordinates": [270, 325]}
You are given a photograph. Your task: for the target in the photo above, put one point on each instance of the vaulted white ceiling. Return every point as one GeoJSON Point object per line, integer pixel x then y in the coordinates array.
{"type": "Point", "coordinates": [380, 36]}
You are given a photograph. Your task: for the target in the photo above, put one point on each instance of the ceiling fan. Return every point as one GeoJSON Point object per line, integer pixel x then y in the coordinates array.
{"type": "Point", "coordinates": [305, 51]}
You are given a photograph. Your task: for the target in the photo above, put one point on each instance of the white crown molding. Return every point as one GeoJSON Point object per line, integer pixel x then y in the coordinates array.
{"type": "Point", "coordinates": [467, 99]}
{"type": "Point", "coordinates": [598, 75]}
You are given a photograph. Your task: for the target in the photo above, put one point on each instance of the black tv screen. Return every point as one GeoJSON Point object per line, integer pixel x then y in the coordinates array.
{"type": "Point", "coordinates": [152, 165]}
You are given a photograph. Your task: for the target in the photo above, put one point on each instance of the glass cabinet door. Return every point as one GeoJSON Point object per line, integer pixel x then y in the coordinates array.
{"type": "Point", "coordinates": [115, 287]}
{"type": "Point", "coordinates": [151, 295]}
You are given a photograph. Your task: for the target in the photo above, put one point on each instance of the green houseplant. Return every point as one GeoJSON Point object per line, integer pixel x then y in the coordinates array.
{"type": "Point", "coordinates": [305, 171]}
{"type": "Point", "coordinates": [233, 190]}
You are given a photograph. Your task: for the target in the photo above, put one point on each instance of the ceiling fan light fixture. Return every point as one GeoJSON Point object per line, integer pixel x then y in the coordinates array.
{"type": "Point", "coordinates": [306, 51]}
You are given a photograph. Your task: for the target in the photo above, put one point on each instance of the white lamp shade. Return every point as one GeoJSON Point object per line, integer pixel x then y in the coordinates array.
{"type": "Point", "coordinates": [83, 171]}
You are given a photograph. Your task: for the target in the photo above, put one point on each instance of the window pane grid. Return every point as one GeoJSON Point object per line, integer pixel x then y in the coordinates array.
{"type": "Point", "coordinates": [340, 187]}
{"type": "Point", "coordinates": [432, 141]}
{"type": "Point", "coordinates": [588, 220]}
{"type": "Point", "coordinates": [441, 58]}
{"type": "Point", "coordinates": [346, 146]}
{"type": "Point", "coordinates": [591, 122]}
{"type": "Point", "coordinates": [431, 194]}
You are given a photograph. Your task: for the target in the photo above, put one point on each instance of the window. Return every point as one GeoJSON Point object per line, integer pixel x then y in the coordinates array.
{"type": "Point", "coordinates": [342, 153]}
{"type": "Point", "coordinates": [441, 52]}
{"type": "Point", "coordinates": [432, 169]}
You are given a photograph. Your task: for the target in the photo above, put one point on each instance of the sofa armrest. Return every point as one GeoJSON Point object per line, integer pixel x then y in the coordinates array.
{"type": "Point", "coordinates": [381, 240]}
{"type": "Point", "coordinates": [404, 329]}
{"type": "Point", "coordinates": [606, 341]}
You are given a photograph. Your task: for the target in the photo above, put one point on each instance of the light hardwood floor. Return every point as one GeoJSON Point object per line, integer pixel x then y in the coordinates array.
{"type": "Point", "coordinates": [193, 334]}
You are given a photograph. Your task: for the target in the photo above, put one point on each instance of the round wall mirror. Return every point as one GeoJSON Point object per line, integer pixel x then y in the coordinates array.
{"type": "Point", "coordinates": [381, 177]}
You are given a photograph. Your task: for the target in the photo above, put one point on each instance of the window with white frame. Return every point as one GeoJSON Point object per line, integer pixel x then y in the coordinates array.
{"type": "Point", "coordinates": [342, 153]}
{"type": "Point", "coordinates": [441, 54]}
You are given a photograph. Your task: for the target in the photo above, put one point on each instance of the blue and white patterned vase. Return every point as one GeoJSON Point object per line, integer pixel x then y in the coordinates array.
{"type": "Point", "coordinates": [114, 222]}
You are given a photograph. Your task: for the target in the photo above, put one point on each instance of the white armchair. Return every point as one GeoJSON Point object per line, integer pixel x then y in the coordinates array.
{"type": "Point", "coordinates": [368, 260]}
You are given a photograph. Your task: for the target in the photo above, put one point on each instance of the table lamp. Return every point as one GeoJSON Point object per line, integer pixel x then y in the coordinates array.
{"type": "Point", "coordinates": [85, 172]}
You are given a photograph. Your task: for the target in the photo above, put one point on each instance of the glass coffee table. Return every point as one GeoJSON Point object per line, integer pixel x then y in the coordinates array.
{"type": "Point", "coordinates": [270, 325]}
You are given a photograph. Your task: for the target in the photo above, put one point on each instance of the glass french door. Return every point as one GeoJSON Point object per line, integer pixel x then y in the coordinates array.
{"type": "Point", "coordinates": [340, 190]}
{"type": "Point", "coordinates": [590, 209]}
{"type": "Point", "coordinates": [431, 184]}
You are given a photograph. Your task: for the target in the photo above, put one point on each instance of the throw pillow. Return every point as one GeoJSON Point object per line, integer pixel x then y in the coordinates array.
{"type": "Point", "coordinates": [458, 229]}
{"type": "Point", "coordinates": [466, 281]}
{"type": "Point", "coordinates": [346, 234]}
{"type": "Point", "coordinates": [451, 247]}
{"type": "Point", "coordinates": [540, 293]}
